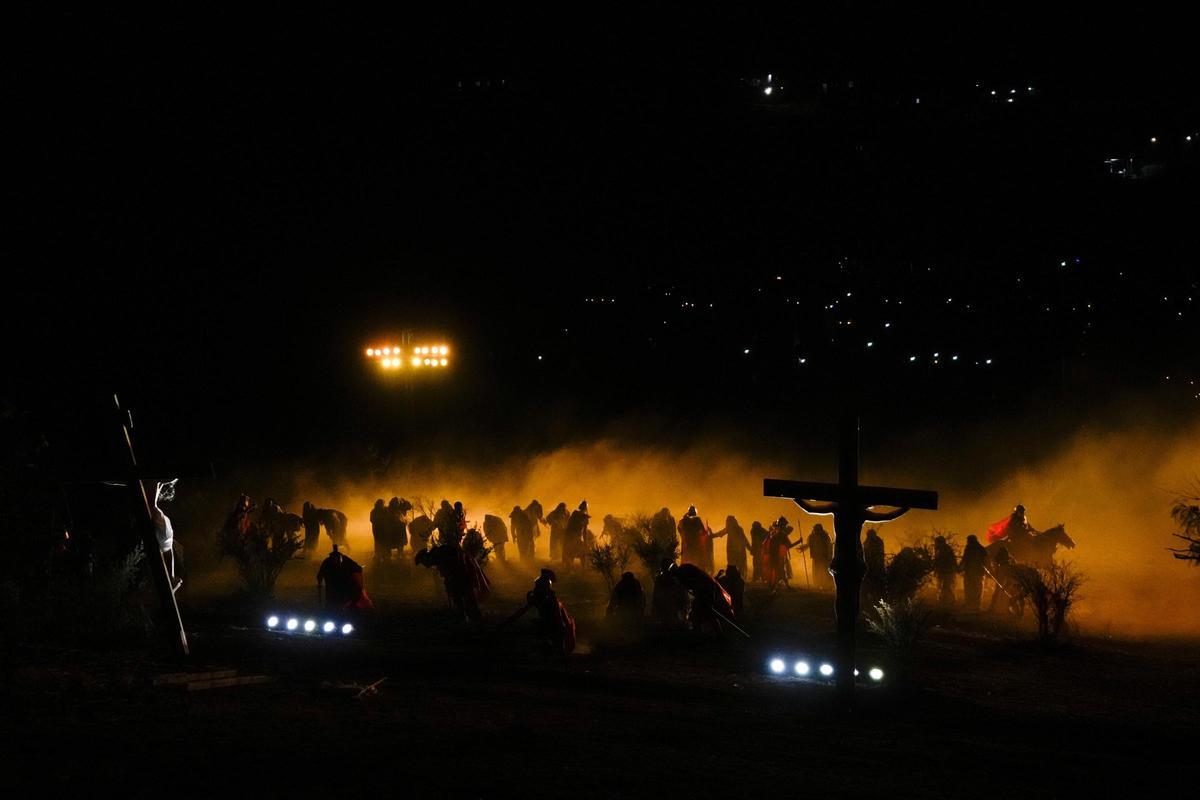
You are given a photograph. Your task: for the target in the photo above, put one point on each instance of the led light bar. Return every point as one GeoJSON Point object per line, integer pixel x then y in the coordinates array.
{"type": "Point", "coordinates": [393, 357]}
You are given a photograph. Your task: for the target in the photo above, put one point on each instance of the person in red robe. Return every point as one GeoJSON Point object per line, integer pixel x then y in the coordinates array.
{"type": "Point", "coordinates": [554, 625]}
{"type": "Point", "coordinates": [342, 579]}
{"type": "Point", "coordinates": [711, 604]}
{"type": "Point", "coordinates": [464, 580]}
{"type": "Point", "coordinates": [774, 559]}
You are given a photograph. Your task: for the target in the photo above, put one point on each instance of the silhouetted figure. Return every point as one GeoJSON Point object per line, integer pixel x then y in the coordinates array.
{"type": "Point", "coordinates": [280, 524]}
{"type": "Point", "coordinates": [239, 519]}
{"type": "Point", "coordinates": [736, 544]}
{"type": "Point", "coordinates": [734, 584]}
{"type": "Point", "coordinates": [446, 524]}
{"type": "Point", "coordinates": [873, 578]}
{"type": "Point", "coordinates": [758, 540]}
{"type": "Point", "coordinates": [496, 532]}
{"type": "Point", "coordinates": [557, 520]}
{"type": "Point", "coordinates": [460, 521]}
{"type": "Point", "coordinates": [662, 526]}
{"type": "Point", "coordinates": [1015, 530]}
{"type": "Point", "coordinates": [522, 532]}
{"type": "Point", "coordinates": [381, 530]}
{"type": "Point", "coordinates": [820, 549]}
{"type": "Point", "coordinates": [973, 565]}
{"type": "Point", "coordinates": [554, 625]}
{"type": "Point", "coordinates": [419, 532]}
{"type": "Point", "coordinates": [627, 604]}
{"type": "Point", "coordinates": [694, 540]}
{"type": "Point", "coordinates": [776, 554]}
{"type": "Point", "coordinates": [398, 524]}
{"type": "Point", "coordinates": [711, 604]}
{"type": "Point", "coordinates": [574, 543]}
{"type": "Point", "coordinates": [464, 580]}
{"type": "Point", "coordinates": [945, 569]}
{"type": "Point", "coordinates": [669, 601]}
{"type": "Point", "coordinates": [342, 579]}
{"type": "Point", "coordinates": [536, 518]}
{"type": "Point", "coordinates": [331, 519]}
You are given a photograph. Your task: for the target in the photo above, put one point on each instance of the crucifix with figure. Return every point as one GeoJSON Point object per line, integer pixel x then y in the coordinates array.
{"type": "Point", "coordinates": [851, 505]}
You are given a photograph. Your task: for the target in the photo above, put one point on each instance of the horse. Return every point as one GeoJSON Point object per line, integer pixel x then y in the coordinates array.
{"type": "Point", "coordinates": [1038, 549]}
{"type": "Point", "coordinates": [333, 520]}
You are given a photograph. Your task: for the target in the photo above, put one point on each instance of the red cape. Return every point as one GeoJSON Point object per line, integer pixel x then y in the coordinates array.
{"type": "Point", "coordinates": [568, 629]}
{"type": "Point", "coordinates": [997, 530]}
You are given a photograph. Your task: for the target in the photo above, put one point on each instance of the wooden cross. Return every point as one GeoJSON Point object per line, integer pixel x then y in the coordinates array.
{"type": "Point", "coordinates": [169, 617]}
{"type": "Point", "coordinates": [851, 505]}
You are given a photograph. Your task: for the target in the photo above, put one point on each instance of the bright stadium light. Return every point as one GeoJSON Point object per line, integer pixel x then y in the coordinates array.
{"type": "Point", "coordinates": [826, 670]}
{"type": "Point", "coordinates": [876, 674]}
{"type": "Point", "coordinates": [272, 621]}
{"type": "Point", "coordinates": [292, 624]}
{"type": "Point", "coordinates": [777, 666]}
{"type": "Point", "coordinates": [802, 668]}
{"type": "Point", "coordinates": [310, 626]}
{"type": "Point", "coordinates": [328, 627]}
{"type": "Point", "coordinates": [347, 629]}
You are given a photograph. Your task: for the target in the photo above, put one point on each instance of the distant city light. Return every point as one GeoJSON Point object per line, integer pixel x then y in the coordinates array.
{"type": "Point", "coordinates": [876, 674]}
{"type": "Point", "coordinates": [767, 91]}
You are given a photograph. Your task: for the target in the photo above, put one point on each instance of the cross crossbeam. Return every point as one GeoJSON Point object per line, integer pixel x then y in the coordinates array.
{"type": "Point", "coordinates": [865, 496]}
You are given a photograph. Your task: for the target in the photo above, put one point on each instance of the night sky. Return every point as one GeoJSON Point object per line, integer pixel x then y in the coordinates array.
{"type": "Point", "coordinates": [606, 215]}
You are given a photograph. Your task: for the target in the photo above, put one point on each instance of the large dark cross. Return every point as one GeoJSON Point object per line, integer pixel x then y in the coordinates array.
{"type": "Point", "coordinates": [169, 617]}
{"type": "Point", "coordinates": [851, 505]}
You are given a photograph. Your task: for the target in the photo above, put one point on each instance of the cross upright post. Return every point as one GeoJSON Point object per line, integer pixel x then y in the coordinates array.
{"type": "Point", "coordinates": [851, 505]}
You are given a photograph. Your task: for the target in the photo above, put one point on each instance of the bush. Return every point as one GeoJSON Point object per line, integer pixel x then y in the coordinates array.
{"type": "Point", "coordinates": [901, 625]}
{"type": "Point", "coordinates": [1186, 513]}
{"type": "Point", "coordinates": [260, 555]}
{"type": "Point", "coordinates": [1052, 591]}
{"type": "Point", "coordinates": [103, 608]}
{"type": "Point", "coordinates": [906, 573]}
{"type": "Point", "coordinates": [609, 561]}
{"type": "Point", "coordinates": [651, 550]}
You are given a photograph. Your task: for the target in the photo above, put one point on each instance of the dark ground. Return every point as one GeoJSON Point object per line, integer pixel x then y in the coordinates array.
{"type": "Point", "coordinates": [480, 713]}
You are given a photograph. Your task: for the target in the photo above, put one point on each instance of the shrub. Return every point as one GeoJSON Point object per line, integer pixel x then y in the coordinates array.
{"type": "Point", "coordinates": [906, 573]}
{"type": "Point", "coordinates": [651, 550]}
{"type": "Point", "coordinates": [260, 555]}
{"type": "Point", "coordinates": [1186, 513]}
{"type": "Point", "coordinates": [474, 545]}
{"type": "Point", "coordinates": [1052, 591]}
{"type": "Point", "coordinates": [609, 560]}
{"type": "Point", "coordinates": [901, 625]}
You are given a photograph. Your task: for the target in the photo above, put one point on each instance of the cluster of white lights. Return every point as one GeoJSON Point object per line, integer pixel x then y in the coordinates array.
{"type": "Point", "coordinates": [308, 626]}
{"type": "Point", "coordinates": [801, 668]}
{"type": "Point", "coordinates": [425, 356]}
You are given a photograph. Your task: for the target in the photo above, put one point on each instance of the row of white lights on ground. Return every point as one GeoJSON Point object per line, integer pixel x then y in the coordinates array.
{"type": "Point", "coordinates": [425, 356]}
{"type": "Point", "coordinates": [803, 669]}
{"type": "Point", "coordinates": [308, 626]}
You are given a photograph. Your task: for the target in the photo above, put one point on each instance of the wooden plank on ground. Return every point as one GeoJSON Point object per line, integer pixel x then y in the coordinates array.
{"type": "Point", "coordinates": [221, 683]}
{"type": "Point", "coordinates": [175, 678]}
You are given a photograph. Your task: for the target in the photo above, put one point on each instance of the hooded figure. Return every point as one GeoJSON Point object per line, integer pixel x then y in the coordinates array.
{"type": "Point", "coordinates": [554, 623]}
{"type": "Point", "coordinates": [945, 568]}
{"type": "Point", "coordinates": [736, 544]}
{"type": "Point", "coordinates": [734, 584]}
{"type": "Point", "coordinates": [397, 524]}
{"type": "Point", "coordinates": [495, 531]}
{"type": "Point", "coordinates": [669, 601]}
{"type": "Point", "coordinates": [627, 604]}
{"type": "Point", "coordinates": [381, 531]}
{"type": "Point", "coordinates": [758, 539]}
{"type": "Point", "coordinates": [873, 579]}
{"type": "Point", "coordinates": [820, 549]}
{"type": "Point", "coordinates": [342, 578]}
{"type": "Point", "coordinates": [557, 520]}
{"type": "Point", "coordinates": [522, 532]}
{"type": "Point", "coordinates": [464, 580]}
{"type": "Point", "coordinates": [574, 544]}
{"type": "Point", "coordinates": [711, 604]}
{"type": "Point", "coordinates": [974, 562]}
{"type": "Point", "coordinates": [694, 540]}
